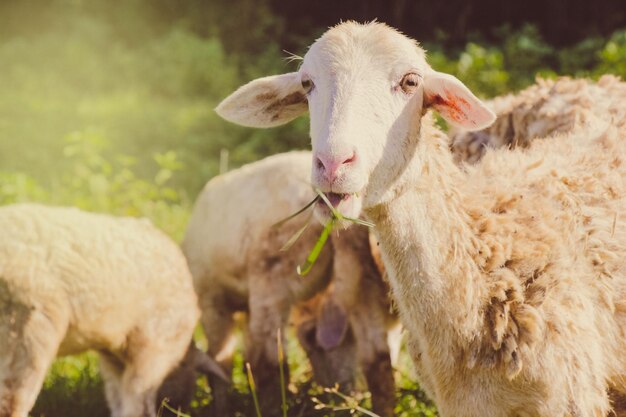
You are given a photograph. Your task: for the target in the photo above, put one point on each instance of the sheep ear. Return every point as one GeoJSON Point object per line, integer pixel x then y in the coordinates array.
{"type": "Point", "coordinates": [266, 102]}
{"type": "Point", "coordinates": [208, 366]}
{"type": "Point", "coordinates": [332, 325]}
{"type": "Point", "coordinates": [455, 102]}
{"type": "Point", "coordinates": [306, 333]}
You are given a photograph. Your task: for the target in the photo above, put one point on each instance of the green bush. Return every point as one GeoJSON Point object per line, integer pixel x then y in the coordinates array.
{"type": "Point", "coordinates": [613, 56]}
{"type": "Point", "coordinates": [106, 184]}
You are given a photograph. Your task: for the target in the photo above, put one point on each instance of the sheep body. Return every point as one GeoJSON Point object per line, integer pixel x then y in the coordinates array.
{"type": "Point", "coordinates": [71, 281]}
{"type": "Point", "coordinates": [509, 276]}
{"type": "Point", "coordinates": [546, 108]}
{"type": "Point", "coordinates": [534, 262]}
{"type": "Point", "coordinates": [234, 255]}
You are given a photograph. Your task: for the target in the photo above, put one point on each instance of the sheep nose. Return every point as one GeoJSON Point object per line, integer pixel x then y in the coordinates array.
{"type": "Point", "coordinates": [329, 165]}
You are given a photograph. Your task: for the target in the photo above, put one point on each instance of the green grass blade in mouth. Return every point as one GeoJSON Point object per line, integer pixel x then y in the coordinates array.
{"type": "Point", "coordinates": [340, 216]}
{"type": "Point", "coordinates": [321, 241]}
{"type": "Point", "coordinates": [333, 210]}
{"type": "Point", "coordinates": [297, 213]}
{"type": "Point", "coordinates": [359, 221]}
{"type": "Point", "coordinates": [317, 249]}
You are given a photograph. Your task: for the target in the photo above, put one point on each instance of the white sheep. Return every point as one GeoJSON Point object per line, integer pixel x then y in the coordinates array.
{"type": "Point", "coordinates": [509, 277]}
{"type": "Point", "coordinates": [72, 281]}
{"type": "Point", "coordinates": [235, 258]}
{"type": "Point", "coordinates": [541, 110]}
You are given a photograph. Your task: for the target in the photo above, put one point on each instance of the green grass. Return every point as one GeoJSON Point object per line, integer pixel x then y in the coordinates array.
{"type": "Point", "coordinates": [74, 388]}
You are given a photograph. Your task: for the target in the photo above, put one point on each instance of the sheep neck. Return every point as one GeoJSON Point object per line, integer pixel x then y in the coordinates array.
{"type": "Point", "coordinates": [427, 244]}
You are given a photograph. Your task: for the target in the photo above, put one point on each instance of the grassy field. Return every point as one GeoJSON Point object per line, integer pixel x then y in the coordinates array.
{"type": "Point", "coordinates": [74, 388]}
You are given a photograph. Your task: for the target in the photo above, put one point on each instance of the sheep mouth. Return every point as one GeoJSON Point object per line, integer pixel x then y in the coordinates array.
{"type": "Point", "coordinates": [335, 198]}
{"type": "Point", "coordinates": [343, 208]}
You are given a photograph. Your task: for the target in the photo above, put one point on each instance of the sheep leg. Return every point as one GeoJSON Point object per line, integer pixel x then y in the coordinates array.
{"type": "Point", "coordinates": [217, 322]}
{"type": "Point", "coordinates": [114, 372]}
{"type": "Point", "coordinates": [111, 370]}
{"type": "Point", "coordinates": [33, 339]}
{"type": "Point", "coordinates": [127, 394]}
{"type": "Point", "coordinates": [375, 360]}
{"type": "Point", "coordinates": [133, 380]}
{"type": "Point", "coordinates": [220, 391]}
{"type": "Point", "coordinates": [380, 381]}
{"type": "Point", "coordinates": [359, 289]}
{"type": "Point", "coordinates": [269, 312]}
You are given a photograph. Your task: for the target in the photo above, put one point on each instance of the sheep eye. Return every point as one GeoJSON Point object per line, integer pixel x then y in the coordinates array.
{"type": "Point", "coordinates": [410, 82]}
{"type": "Point", "coordinates": [307, 84]}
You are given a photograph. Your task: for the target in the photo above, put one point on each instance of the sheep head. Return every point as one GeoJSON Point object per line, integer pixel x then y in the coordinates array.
{"type": "Point", "coordinates": [334, 363]}
{"type": "Point", "coordinates": [179, 386]}
{"type": "Point", "coordinates": [366, 87]}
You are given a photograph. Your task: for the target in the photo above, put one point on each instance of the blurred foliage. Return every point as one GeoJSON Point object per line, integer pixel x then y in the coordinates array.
{"type": "Point", "coordinates": [110, 108]}
{"type": "Point", "coordinates": [155, 92]}
{"type": "Point", "coordinates": [73, 387]}
{"type": "Point", "coordinates": [612, 57]}
{"type": "Point", "coordinates": [93, 182]}
{"type": "Point", "coordinates": [142, 99]}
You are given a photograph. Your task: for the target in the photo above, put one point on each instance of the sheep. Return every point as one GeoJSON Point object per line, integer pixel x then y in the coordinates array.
{"type": "Point", "coordinates": [235, 258]}
{"type": "Point", "coordinates": [511, 288]}
{"type": "Point", "coordinates": [543, 109]}
{"type": "Point", "coordinates": [368, 340]}
{"type": "Point", "coordinates": [329, 366]}
{"type": "Point", "coordinates": [72, 281]}
{"type": "Point", "coordinates": [179, 387]}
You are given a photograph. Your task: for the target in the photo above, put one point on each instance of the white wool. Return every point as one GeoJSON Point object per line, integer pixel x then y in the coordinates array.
{"type": "Point", "coordinates": [542, 110]}
{"type": "Point", "coordinates": [509, 278]}
{"type": "Point", "coordinates": [234, 255]}
{"type": "Point", "coordinates": [72, 281]}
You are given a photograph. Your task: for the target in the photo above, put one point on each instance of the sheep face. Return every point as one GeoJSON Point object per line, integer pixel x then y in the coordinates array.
{"type": "Point", "coordinates": [366, 88]}
{"type": "Point", "coordinates": [364, 93]}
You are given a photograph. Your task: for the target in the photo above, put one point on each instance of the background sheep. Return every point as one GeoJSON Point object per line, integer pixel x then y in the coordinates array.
{"type": "Point", "coordinates": [511, 287]}
{"type": "Point", "coordinates": [179, 386]}
{"type": "Point", "coordinates": [541, 110]}
{"type": "Point", "coordinates": [357, 289]}
{"type": "Point", "coordinates": [550, 107]}
{"type": "Point", "coordinates": [71, 281]}
{"type": "Point", "coordinates": [235, 259]}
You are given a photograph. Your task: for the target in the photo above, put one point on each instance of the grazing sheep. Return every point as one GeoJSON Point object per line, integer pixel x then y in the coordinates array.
{"type": "Point", "coordinates": [330, 366]}
{"type": "Point", "coordinates": [356, 288]}
{"type": "Point", "coordinates": [510, 276]}
{"type": "Point", "coordinates": [541, 110]}
{"type": "Point", "coordinates": [179, 386]}
{"type": "Point", "coordinates": [72, 281]}
{"type": "Point", "coordinates": [235, 258]}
